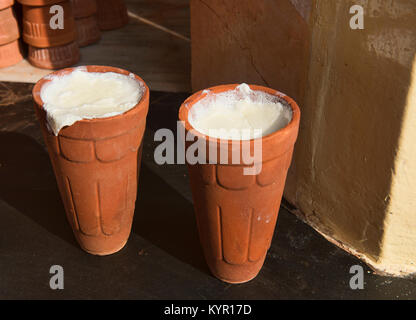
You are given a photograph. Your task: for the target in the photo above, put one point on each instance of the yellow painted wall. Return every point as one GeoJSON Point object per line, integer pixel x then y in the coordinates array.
{"type": "Point", "coordinates": [354, 171]}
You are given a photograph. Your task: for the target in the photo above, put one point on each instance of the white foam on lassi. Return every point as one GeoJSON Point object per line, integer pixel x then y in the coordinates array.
{"type": "Point", "coordinates": [239, 114]}
{"type": "Point", "coordinates": [88, 95]}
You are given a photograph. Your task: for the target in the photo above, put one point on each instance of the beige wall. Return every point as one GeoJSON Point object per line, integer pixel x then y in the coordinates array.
{"type": "Point", "coordinates": [354, 172]}
{"type": "Point", "coordinates": [243, 41]}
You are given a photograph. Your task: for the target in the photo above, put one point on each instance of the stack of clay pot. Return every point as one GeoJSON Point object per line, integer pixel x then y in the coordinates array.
{"type": "Point", "coordinates": [50, 47]}
{"type": "Point", "coordinates": [112, 14]}
{"type": "Point", "coordinates": [10, 49]}
{"type": "Point", "coordinates": [86, 21]}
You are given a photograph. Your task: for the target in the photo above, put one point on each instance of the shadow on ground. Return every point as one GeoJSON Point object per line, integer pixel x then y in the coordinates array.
{"type": "Point", "coordinates": [27, 183]}
{"type": "Point", "coordinates": [167, 220]}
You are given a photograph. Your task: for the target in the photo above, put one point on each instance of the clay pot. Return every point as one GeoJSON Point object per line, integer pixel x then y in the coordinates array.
{"type": "Point", "coordinates": [9, 28]}
{"type": "Point", "coordinates": [54, 57]}
{"type": "Point", "coordinates": [87, 30]}
{"type": "Point", "coordinates": [10, 54]}
{"type": "Point", "coordinates": [236, 213]}
{"type": "Point", "coordinates": [95, 163]}
{"type": "Point", "coordinates": [36, 3]}
{"type": "Point", "coordinates": [112, 14]}
{"type": "Point", "coordinates": [5, 4]}
{"type": "Point", "coordinates": [84, 8]}
{"type": "Point", "coordinates": [37, 31]}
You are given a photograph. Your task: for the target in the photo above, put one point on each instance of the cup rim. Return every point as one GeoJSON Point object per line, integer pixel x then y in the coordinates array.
{"type": "Point", "coordinates": [194, 98]}
{"type": "Point", "coordinates": [96, 68]}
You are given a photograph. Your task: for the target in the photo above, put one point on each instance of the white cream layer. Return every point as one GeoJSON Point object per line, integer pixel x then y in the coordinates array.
{"type": "Point", "coordinates": [88, 95]}
{"type": "Point", "coordinates": [240, 114]}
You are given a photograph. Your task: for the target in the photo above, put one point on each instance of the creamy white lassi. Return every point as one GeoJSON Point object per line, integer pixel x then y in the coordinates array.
{"type": "Point", "coordinates": [239, 114]}
{"type": "Point", "coordinates": [88, 95]}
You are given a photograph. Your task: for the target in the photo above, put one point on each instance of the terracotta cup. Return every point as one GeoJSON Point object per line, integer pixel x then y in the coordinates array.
{"type": "Point", "coordinates": [84, 8]}
{"type": "Point", "coordinates": [55, 57]}
{"type": "Point", "coordinates": [88, 31]}
{"type": "Point", "coordinates": [236, 214]}
{"type": "Point", "coordinates": [5, 4]}
{"type": "Point", "coordinates": [112, 14]}
{"type": "Point", "coordinates": [39, 2]}
{"type": "Point", "coordinates": [9, 28]}
{"type": "Point", "coordinates": [10, 54]}
{"type": "Point", "coordinates": [37, 31]}
{"type": "Point", "coordinates": [96, 166]}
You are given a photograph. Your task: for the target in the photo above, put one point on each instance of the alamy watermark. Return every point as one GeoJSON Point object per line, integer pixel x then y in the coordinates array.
{"type": "Point", "coordinates": [57, 280]}
{"type": "Point", "coordinates": [357, 20]}
{"type": "Point", "coordinates": [57, 20]}
{"type": "Point", "coordinates": [357, 280]}
{"type": "Point", "coordinates": [210, 151]}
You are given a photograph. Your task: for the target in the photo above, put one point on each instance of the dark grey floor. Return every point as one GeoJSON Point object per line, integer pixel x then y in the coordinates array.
{"type": "Point", "coordinates": [163, 258]}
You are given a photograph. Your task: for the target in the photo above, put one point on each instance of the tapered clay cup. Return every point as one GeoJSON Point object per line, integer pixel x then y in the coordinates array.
{"type": "Point", "coordinates": [5, 4]}
{"type": "Point", "coordinates": [96, 167]}
{"type": "Point", "coordinates": [236, 214]}
{"type": "Point", "coordinates": [112, 14]}
{"type": "Point", "coordinates": [84, 8]}
{"type": "Point", "coordinates": [88, 31]}
{"type": "Point", "coordinates": [10, 54]}
{"type": "Point", "coordinates": [37, 30]}
{"type": "Point", "coordinates": [54, 57]}
{"type": "Point", "coordinates": [9, 28]}
{"type": "Point", "coordinates": [39, 2]}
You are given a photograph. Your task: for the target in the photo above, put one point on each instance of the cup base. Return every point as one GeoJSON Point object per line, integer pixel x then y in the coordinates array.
{"type": "Point", "coordinates": [104, 252]}
{"type": "Point", "coordinates": [235, 281]}
{"type": "Point", "coordinates": [235, 273]}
